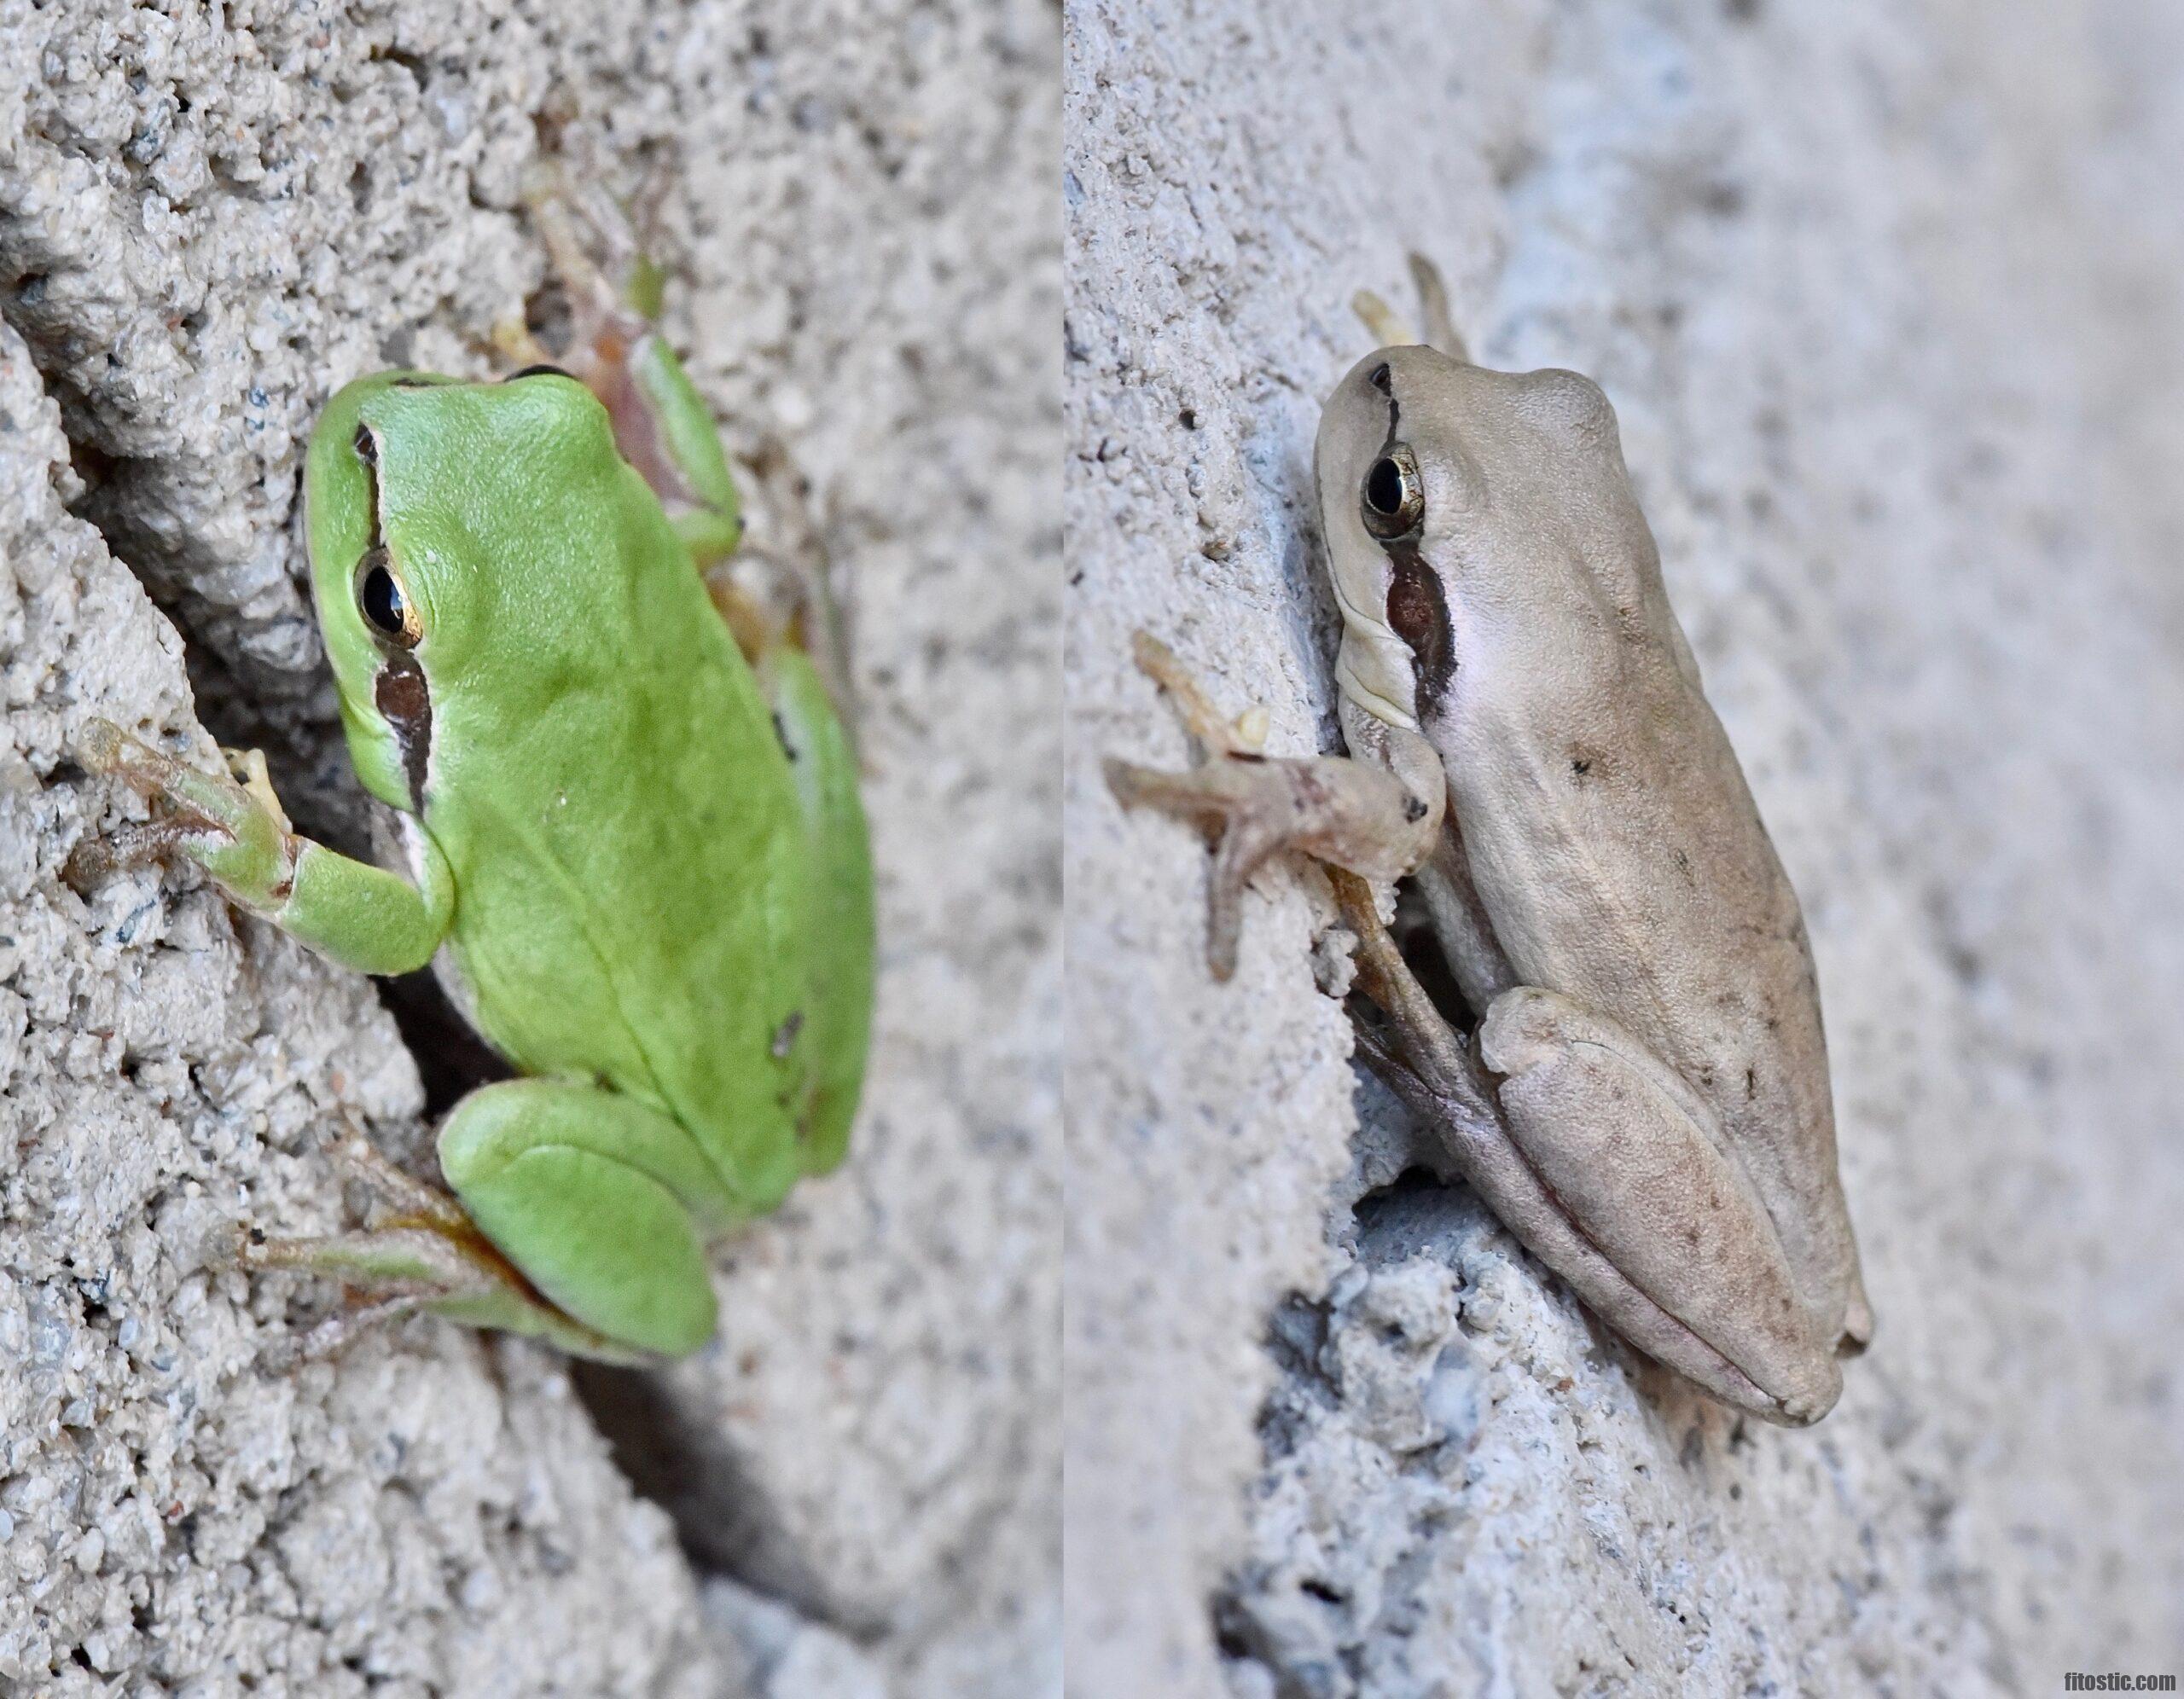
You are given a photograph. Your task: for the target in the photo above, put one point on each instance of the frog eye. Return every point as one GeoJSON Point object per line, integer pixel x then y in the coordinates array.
{"type": "Point", "coordinates": [385, 603]}
{"type": "Point", "coordinates": [1393, 500]}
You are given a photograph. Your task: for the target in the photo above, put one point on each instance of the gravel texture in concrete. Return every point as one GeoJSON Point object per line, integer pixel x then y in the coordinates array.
{"type": "Point", "coordinates": [1885, 297]}
{"type": "Point", "coordinates": [210, 218]}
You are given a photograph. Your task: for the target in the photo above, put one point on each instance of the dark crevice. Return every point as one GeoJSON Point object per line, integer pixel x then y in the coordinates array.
{"type": "Point", "coordinates": [1397, 1220]}
{"type": "Point", "coordinates": [288, 716]}
{"type": "Point", "coordinates": [691, 1472]}
{"type": "Point", "coordinates": [452, 1059]}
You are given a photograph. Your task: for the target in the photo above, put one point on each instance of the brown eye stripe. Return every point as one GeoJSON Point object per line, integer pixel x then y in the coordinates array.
{"type": "Point", "coordinates": [1418, 613]}
{"type": "Point", "coordinates": [405, 704]}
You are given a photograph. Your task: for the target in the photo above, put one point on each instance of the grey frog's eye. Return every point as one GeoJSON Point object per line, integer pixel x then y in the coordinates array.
{"type": "Point", "coordinates": [384, 602]}
{"type": "Point", "coordinates": [1392, 502]}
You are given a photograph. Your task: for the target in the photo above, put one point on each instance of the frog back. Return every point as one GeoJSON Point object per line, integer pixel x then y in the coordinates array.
{"type": "Point", "coordinates": [1636, 878]}
{"type": "Point", "coordinates": [636, 898]}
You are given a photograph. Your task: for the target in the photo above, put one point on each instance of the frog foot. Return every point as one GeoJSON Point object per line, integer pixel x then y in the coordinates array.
{"type": "Point", "coordinates": [1338, 810]}
{"type": "Point", "coordinates": [230, 824]}
{"type": "Point", "coordinates": [781, 591]}
{"type": "Point", "coordinates": [595, 252]}
{"type": "Point", "coordinates": [1392, 330]}
{"type": "Point", "coordinates": [424, 1254]}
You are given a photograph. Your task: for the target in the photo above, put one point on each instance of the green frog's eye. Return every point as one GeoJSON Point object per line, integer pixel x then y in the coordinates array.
{"type": "Point", "coordinates": [1393, 500]}
{"type": "Point", "coordinates": [385, 603]}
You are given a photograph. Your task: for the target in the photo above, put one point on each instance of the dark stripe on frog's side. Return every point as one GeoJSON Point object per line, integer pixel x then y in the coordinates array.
{"type": "Point", "coordinates": [1418, 612]}
{"type": "Point", "coordinates": [405, 703]}
{"type": "Point", "coordinates": [1417, 608]}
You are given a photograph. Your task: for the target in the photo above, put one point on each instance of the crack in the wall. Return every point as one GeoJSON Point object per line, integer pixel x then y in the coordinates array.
{"type": "Point", "coordinates": [686, 1470]}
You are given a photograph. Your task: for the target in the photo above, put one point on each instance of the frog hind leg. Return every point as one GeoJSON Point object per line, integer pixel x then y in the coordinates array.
{"type": "Point", "coordinates": [423, 1252]}
{"type": "Point", "coordinates": [838, 1011]}
{"type": "Point", "coordinates": [576, 1218]}
{"type": "Point", "coordinates": [1629, 1151]}
{"type": "Point", "coordinates": [408, 1266]}
{"type": "Point", "coordinates": [601, 1204]}
{"type": "Point", "coordinates": [1492, 1133]}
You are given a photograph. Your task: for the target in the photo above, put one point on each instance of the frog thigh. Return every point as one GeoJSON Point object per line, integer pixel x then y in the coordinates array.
{"type": "Point", "coordinates": [838, 1014]}
{"type": "Point", "coordinates": [597, 1199]}
{"type": "Point", "coordinates": [1624, 1146]}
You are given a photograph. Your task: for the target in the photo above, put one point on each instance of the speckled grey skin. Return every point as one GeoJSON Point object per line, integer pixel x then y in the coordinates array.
{"type": "Point", "coordinates": [202, 233]}
{"type": "Point", "coordinates": [1885, 298]}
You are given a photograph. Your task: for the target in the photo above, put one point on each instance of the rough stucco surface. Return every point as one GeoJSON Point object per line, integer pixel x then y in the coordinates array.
{"type": "Point", "coordinates": [1885, 297]}
{"type": "Point", "coordinates": [204, 228]}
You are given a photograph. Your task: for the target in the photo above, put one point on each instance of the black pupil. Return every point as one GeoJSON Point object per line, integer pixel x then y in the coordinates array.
{"type": "Point", "coordinates": [382, 599]}
{"type": "Point", "coordinates": [1383, 487]}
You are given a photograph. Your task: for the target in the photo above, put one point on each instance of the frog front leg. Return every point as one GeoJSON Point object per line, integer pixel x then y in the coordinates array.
{"type": "Point", "coordinates": [361, 915]}
{"type": "Point", "coordinates": [661, 426]}
{"type": "Point", "coordinates": [770, 596]}
{"type": "Point", "coordinates": [1378, 820]}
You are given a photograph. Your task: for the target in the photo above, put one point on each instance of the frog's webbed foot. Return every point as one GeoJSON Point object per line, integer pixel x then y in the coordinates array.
{"type": "Point", "coordinates": [1338, 811]}
{"type": "Point", "coordinates": [131, 844]}
{"type": "Point", "coordinates": [419, 1250]}
{"type": "Point", "coordinates": [1390, 329]}
{"type": "Point", "coordinates": [232, 824]}
{"type": "Point", "coordinates": [596, 255]}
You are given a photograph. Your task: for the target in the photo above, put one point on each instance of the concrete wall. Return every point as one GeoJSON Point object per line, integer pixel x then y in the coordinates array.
{"type": "Point", "coordinates": [1886, 298]}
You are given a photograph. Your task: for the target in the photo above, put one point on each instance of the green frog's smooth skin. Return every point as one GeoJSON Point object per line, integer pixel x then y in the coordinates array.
{"type": "Point", "coordinates": [637, 854]}
{"type": "Point", "coordinates": [1645, 1098]}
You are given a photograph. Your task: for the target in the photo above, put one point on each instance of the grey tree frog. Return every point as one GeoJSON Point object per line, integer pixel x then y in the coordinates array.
{"type": "Point", "coordinates": [1642, 1096]}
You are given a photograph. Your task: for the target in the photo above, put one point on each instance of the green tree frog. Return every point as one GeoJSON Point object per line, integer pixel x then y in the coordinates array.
{"type": "Point", "coordinates": [1643, 1095]}
{"type": "Point", "coordinates": [634, 852]}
